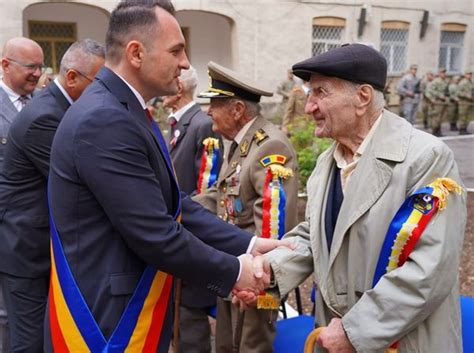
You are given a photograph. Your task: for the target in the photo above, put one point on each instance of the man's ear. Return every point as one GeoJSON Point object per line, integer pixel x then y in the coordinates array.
{"type": "Point", "coordinates": [365, 95]}
{"type": "Point", "coordinates": [134, 52]}
{"type": "Point", "coordinates": [71, 78]}
{"type": "Point", "coordinates": [239, 109]}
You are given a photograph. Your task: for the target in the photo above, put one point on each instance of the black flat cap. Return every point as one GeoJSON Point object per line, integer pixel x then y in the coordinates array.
{"type": "Point", "coordinates": [352, 62]}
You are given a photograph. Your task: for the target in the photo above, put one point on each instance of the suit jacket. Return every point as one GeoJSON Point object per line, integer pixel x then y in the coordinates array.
{"type": "Point", "coordinates": [24, 223]}
{"type": "Point", "coordinates": [194, 127]}
{"type": "Point", "coordinates": [113, 201]}
{"type": "Point", "coordinates": [417, 303]}
{"type": "Point", "coordinates": [7, 115]}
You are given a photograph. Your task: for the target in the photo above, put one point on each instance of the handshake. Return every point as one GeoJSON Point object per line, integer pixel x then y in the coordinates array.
{"type": "Point", "coordinates": [255, 273]}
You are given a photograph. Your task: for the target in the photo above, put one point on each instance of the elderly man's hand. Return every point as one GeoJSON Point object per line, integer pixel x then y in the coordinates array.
{"type": "Point", "coordinates": [263, 245]}
{"type": "Point", "coordinates": [334, 339]}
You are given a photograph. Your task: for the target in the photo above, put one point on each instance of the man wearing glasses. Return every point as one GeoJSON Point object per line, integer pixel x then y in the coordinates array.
{"type": "Point", "coordinates": [22, 63]}
{"type": "Point", "coordinates": [24, 226]}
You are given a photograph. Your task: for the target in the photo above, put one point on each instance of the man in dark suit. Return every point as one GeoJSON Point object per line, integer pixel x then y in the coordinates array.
{"type": "Point", "coordinates": [22, 63]}
{"type": "Point", "coordinates": [190, 129]}
{"type": "Point", "coordinates": [118, 209]}
{"type": "Point", "coordinates": [24, 224]}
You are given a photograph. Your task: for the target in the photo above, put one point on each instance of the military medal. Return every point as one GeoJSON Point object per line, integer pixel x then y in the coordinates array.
{"type": "Point", "coordinates": [238, 205]}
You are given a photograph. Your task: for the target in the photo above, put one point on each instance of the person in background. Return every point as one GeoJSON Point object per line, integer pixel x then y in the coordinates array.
{"type": "Point", "coordinates": [425, 102]}
{"type": "Point", "coordinates": [453, 108]}
{"type": "Point", "coordinates": [465, 96]}
{"type": "Point", "coordinates": [409, 90]}
{"type": "Point", "coordinates": [196, 154]}
{"type": "Point", "coordinates": [285, 87]}
{"type": "Point", "coordinates": [22, 65]}
{"type": "Point", "coordinates": [46, 78]}
{"type": "Point", "coordinates": [24, 230]}
{"type": "Point", "coordinates": [437, 94]}
{"type": "Point", "coordinates": [295, 107]}
{"type": "Point", "coordinates": [256, 190]}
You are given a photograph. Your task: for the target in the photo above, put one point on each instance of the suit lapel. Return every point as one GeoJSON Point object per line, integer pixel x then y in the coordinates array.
{"type": "Point", "coordinates": [183, 124]}
{"type": "Point", "coordinates": [372, 175]}
{"type": "Point", "coordinates": [58, 95]}
{"type": "Point", "coordinates": [8, 110]}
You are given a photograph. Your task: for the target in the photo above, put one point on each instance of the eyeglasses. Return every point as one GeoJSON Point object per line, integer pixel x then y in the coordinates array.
{"type": "Point", "coordinates": [29, 67]}
{"type": "Point", "coordinates": [81, 74]}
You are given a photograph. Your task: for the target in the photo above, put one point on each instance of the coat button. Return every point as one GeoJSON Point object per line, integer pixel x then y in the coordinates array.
{"type": "Point", "coordinates": [222, 203]}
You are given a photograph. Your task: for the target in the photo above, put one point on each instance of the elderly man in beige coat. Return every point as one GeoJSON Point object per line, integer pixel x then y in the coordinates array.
{"type": "Point", "coordinates": [377, 161]}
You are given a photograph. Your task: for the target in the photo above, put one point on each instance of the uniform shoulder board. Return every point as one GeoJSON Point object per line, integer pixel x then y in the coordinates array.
{"type": "Point", "coordinates": [273, 159]}
{"type": "Point", "coordinates": [260, 136]}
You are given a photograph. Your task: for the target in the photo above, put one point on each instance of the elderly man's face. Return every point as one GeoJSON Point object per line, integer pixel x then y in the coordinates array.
{"type": "Point", "coordinates": [224, 119]}
{"type": "Point", "coordinates": [331, 106]}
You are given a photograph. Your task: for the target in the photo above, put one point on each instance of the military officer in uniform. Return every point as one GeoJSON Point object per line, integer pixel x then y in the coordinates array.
{"type": "Point", "coordinates": [256, 190]}
{"type": "Point", "coordinates": [425, 103]}
{"type": "Point", "coordinates": [437, 94]}
{"type": "Point", "coordinates": [465, 96]}
{"type": "Point", "coordinates": [452, 109]}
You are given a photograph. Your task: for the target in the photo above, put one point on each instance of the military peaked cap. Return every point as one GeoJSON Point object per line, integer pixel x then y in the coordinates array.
{"type": "Point", "coordinates": [226, 83]}
{"type": "Point", "coordinates": [352, 62]}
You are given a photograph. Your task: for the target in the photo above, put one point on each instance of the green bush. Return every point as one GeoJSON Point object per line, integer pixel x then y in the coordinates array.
{"type": "Point", "coordinates": [308, 147]}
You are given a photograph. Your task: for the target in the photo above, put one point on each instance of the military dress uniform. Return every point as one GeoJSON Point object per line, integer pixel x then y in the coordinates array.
{"type": "Point", "coordinates": [465, 95]}
{"type": "Point", "coordinates": [241, 197]}
{"type": "Point", "coordinates": [436, 93]}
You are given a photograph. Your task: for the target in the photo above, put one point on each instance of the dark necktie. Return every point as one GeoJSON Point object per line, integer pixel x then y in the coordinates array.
{"type": "Point", "coordinates": [333, 205]}
{"type": "Point", "coordinates": [23, 100]}
{"type": "Point", "coordinates": [232, 149]}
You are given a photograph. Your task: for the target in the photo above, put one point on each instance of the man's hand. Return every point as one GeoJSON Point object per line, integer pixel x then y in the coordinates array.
{"type": "Point", "coordinates": [334, 339]}
{"type": "Point", "coordinates": [253, 277]}
{"type": "Point", "coordinates": [263, 245]}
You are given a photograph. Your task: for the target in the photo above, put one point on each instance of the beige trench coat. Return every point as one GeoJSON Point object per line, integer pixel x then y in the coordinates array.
{"type": "Point", "coordinates": [417, 303]}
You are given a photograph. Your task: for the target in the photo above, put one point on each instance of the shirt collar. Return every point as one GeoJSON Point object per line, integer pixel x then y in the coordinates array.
{"type": "Point", "coordinates": [240, 135]}
{"type": "Point", "coordinates": [180, 112]}
{"type": "Point", "coordinates": [339, 155]}
{"type": "Point", "coordinates": [134, 91]}
{"type": "Point", "coordinates": [63, 91]}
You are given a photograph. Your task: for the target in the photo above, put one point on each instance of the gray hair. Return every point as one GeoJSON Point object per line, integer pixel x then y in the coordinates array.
{"type": "Point", "coordinates": [80, 56]}
{"type": "Point", "coordinates": [253, 108]}
{"type": "Point", "coordinates": [189, 79]}
{"type": "Point", "coordinates": [378, 101]}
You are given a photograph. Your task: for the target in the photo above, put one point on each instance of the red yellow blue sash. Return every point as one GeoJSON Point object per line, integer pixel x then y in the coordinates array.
{"type": "Point", "coordinates": [73, 327]}
{"type": "Point", "coordinates": [273, 217]}
{"type": "Point", "coordinates": [208, 170]}
{"type": "Point", "coordinates": [408, 225]}
{"type": "Point", "coordinates": [274, 201]}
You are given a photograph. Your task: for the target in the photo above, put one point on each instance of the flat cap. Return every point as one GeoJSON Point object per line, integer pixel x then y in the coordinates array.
{"type": "Point", "coordinates": [352, 62]}
{"type": "Point", "coordinates": [226, 83]}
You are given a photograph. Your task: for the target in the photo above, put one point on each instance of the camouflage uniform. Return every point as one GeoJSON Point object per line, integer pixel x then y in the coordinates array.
{"type": "Point", "coordinates": [465, 96]}
{"type": "Point", "coordinates": [425, 103]}
{"type": "Point", "coordinates": [452, 108]}
{"type": "Point", "coordinates": [437, 94]}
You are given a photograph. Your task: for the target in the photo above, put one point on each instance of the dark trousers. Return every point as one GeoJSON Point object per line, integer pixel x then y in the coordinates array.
{"type": "Point", "coordinates": [194, 330]}
{"type": "Point", "coordinates": [25, 300]}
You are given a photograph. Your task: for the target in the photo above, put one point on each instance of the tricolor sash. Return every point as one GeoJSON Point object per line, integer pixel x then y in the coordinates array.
{"type": "Point", "coordinates": [208, 170]}
{"type": "Point", "coordinates": [274, 201]}
{"type": "Point", "coordinates": [273, 217]}
{"type": "Point", "coordinates": [73, 327]}
{"type": "Point", "coordinates": [408, 225]}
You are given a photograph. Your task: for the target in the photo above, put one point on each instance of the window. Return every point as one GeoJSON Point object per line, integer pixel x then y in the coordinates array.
{"type": "Point", "coordinates": [450, 51]}
{"type": "Point", "coordinates": [55, 38]}
{"type": "Point", "coordinates": [393, 45]}
{"type": "Point", "coordinates": [327, 33]}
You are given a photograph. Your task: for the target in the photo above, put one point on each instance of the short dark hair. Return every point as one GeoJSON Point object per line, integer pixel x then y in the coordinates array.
{"type": "Point", "coordinates": [132, 19]}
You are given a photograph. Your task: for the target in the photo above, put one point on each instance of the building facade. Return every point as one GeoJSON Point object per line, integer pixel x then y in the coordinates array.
{"type": "Point", "coordinates": [263, 38]}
